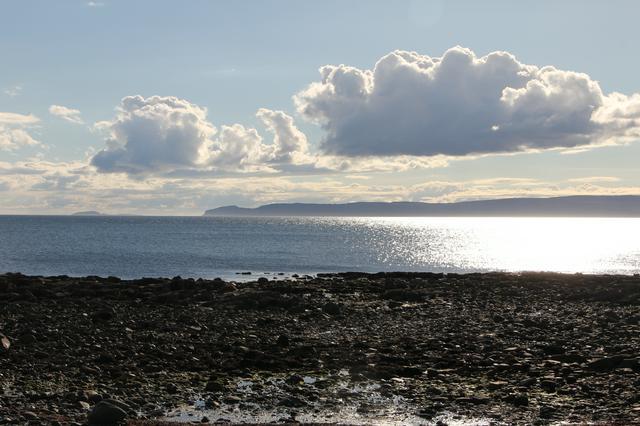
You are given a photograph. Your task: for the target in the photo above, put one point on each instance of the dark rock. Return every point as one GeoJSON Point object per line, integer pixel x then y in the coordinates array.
{"type": "Point", "coordinates": [292, 402]}
{"type": "Point", "coordinates": [332, 308]}
{"type": "Point", "coordinates": [171, 388]}
{"type": "Point", "coordinates": [548, 385]}
{"type": "Point", "coordinates": [527, 383]}
{"type": "Point", "coordinates": [553, 349]}
{"type": "Point", "coordinates": [93, 396]}
{"type": "Point", "coordinates": [631, 363]}
{"type": "Point", "coordinates": [106, 414]}
{"type": "Point", "coordinates": [103, 315]}
{"type": "Point", "coordinates": [547, 411]}
{"type": "Point", "coordinates": [605, 364]}
{"type": "Point", "coordinates": [215, 386]}
{"type": "Point", "coordinates": [283, 340]}
{"type": "Point", "coordinates": [519, 400]}
{"type": "Point", "coordinates": [30, 415]}
{"type": "Point", "coordinates": [403, 295]}
{"type": "Point", "coordinates": [295, 380]}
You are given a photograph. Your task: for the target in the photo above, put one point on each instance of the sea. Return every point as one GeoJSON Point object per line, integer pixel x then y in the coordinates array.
{"type": "Point", "coordinates": [242, 248]}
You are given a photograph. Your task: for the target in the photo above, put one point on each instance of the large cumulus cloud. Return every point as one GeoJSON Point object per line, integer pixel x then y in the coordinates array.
{"type": "Point", "coordinates": [167, 134]}
{"type": "Point", "coordinates": [460, 104]}
{"type": "Point", "coordinates": [155, 134]}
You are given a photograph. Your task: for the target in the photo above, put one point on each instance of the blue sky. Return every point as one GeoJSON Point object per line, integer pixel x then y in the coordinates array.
{"type": "Point", "coordinates": [229, 59]}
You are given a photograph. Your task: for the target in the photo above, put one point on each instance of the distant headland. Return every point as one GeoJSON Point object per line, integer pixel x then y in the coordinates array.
{"type": "Point", "coordinates": [88, 213]}
{"type": "Point", "coordinates": [571, 206]}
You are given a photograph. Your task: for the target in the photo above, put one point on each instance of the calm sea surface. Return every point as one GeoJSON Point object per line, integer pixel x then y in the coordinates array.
{"type": "Point", "coordinates": [132, 247]}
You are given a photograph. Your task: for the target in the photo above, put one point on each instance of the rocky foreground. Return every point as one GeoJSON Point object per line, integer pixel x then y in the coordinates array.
{"type": "Point", "coordinates": [509, 348]}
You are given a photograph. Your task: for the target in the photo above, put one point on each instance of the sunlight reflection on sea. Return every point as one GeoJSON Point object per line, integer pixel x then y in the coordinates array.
{"type": "Point", "coordinates": [132, 247]}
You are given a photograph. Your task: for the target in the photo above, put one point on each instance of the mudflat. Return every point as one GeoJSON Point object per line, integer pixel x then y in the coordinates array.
{"type": "Point", "coordinates": [529, 348]}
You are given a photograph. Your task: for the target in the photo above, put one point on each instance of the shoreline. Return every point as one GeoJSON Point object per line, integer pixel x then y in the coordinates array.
{"type": "Point", "coordinates": [527, 347]}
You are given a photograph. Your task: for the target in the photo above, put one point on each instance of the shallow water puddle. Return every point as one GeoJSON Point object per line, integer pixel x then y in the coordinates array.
{"type": "Point", "coordinates": [347, 415]}
{"type": "Point", "coordinates": [345, 403]}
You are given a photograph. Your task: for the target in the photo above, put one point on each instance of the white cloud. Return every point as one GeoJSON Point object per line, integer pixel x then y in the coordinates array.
{"type": "Point", "coordinates": [289, 144]}
{"type": "Point", "coordinates": [460, 104]}
{"type": "Point", "coordinates": [482, 189]}
{"type": "Point", "coordinates": [595, 179]}
{"type": "Point", "coordinates": [64, 187]}
{"type": "Point", "coordinates": [68, 114]}
{"type": "Point", "coordinates": [167, 134]}
{"type": "Point", "coordinates": [236, 147]}
{"type": "Point", "coordinates": [95, 4]}
{"type": "Point", "coordinates": [155, 134]}
{"type": "Point", "coordinates": [11, 118]}
{"type": "Point", "coordinates": [14, 130]}
{"type": "Point", "coordinates": [13, 91]}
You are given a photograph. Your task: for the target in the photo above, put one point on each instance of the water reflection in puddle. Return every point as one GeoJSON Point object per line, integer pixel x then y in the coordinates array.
{"type": "Point", "coordinates": [343, 402]}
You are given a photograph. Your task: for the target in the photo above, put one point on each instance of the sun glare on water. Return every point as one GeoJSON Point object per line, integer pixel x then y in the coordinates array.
{"type": "Point", "coordinates": [512, 244]}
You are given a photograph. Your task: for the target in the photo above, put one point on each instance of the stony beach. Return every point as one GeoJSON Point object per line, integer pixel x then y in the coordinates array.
{"type": "Point", "coordinates": [414, 348]}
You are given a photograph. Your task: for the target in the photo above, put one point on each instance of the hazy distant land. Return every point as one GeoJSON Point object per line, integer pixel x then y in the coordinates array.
{"type": "Point", "coordinates": [96, 213]}
{"type": "Point", "coordinates": [578, 206]}
{"type": "Point", "coordinates": [88, 213]}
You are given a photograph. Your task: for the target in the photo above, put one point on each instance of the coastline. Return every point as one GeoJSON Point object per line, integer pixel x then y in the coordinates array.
{"type": "Point", "coordinates": [511, 348]}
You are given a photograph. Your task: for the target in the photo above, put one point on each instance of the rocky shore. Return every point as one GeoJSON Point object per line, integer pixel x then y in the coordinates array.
{"type": "Point", "coordinates": [531, 348]}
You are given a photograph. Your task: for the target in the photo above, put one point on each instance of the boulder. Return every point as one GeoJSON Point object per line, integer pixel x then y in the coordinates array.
{"type": "Point", "coordinates": [106, 413]}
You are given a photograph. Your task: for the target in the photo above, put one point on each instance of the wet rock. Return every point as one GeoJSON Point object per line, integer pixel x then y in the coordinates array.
{"type": "Point", "coordinates": [404, 295]}
{"type": "Point", "coordinates": [215, 386]}
{"type": "Point", "coordinates": [283, 340]}
{"type": "Point", "coordinates": [106, 414]}
{"type": "Point", "coordinates": [606, 363]}
{"type": "Point", "coordinates": [171, 388]}
{"type": "Point", "coordinates": [548, 385]}
{"type": "Point", "coordinates": [233, 399]}
{"type": "Point", "coordinates": [295, 380]}
{"type": "Point", "coordinates": [332, 308]}
{"type": "Point", "coordinates": [553, 349]}
{"type": "Point", "coordinates": [5, 343]}
{"type": "Point", "coordinates": [527, 383]}
{"type": "Point", "coordinates": [103, 315]}
{"type": "Point", "coordinates": [519, 400]}
{"type": "Point", "coordinates": [30, 415]}
{"type": "Point", "coordinates": [292, 402]}
{"type": "Point", "coordinates": [631, 363]}
{"type": "Point", "coordinates": [547, 411]}
{"type": "Point", "coordinates": [92, 396]}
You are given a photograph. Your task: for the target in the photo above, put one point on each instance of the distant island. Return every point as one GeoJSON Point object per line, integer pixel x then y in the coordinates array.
{"type": "Point", "coordinates": [88, 213]}
{"type": "Point", "coordinates": [572, 206]}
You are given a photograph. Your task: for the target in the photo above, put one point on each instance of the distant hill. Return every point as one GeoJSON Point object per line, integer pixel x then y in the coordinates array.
{"type": "Point", "coordinates": [578, 206]}
{"type": "Point", "coordinates": [88, 213]}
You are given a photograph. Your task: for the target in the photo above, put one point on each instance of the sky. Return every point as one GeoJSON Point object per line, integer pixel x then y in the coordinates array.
{"type": "Point", "coordinates": [174, 107]}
